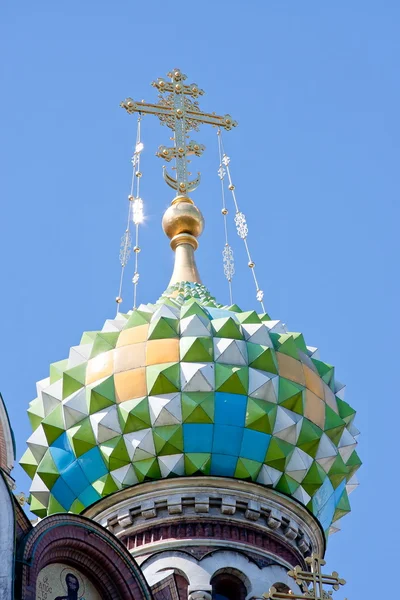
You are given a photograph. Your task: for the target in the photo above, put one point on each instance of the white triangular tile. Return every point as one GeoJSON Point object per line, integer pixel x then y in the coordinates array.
{"type": "Point", "coordinates": [52, 396]}
{"type": "Point", "coordinates": [173, 463]}
{"type": "Point", "coordinates": [195, 326]}
{"type": "Point", "coordinates": [197, 377]}
{"type": "Point", "coordinates": [140, 444]}
{"type": "Point", "coordinates": [230, 352]}
{"type": "Point", "coordinates": [263, 385]}
{"type": "Point", "coordinates": [257, 333]}
{"type": "Point", "coordinates": [37, 443]}
{"type": "Point", "coordinates": [268, 475]}
{"type": "Point", "coordinates": [39, 490]}
{"type": "Point", "coordinates": [301, 495]}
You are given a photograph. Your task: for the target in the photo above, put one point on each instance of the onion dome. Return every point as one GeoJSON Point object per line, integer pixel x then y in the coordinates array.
{"type": "Point", "coordinates": [189, 387]}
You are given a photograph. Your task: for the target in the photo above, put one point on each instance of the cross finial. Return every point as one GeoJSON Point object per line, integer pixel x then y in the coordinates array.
{"type": "Point", "coordinates": [176, 110]}
{"type": "Point", "coordinates": [304, 579]}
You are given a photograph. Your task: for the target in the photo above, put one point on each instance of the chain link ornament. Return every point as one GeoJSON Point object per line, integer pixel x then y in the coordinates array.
{"type": "Point", "coordinates": [228, 261]}
{"type": "Point", "coordinates": [260, 295]}
{"type": "Point", "coordinates": [137, 211]}
{"type": "Point", "coordinates": [135, 278]}
{"type": "Point", "coordinates": [126, 246]}
{"type": "Point", "coordinates": [241, 225]}
{"type": "Point", "coordinates": [221, 172]}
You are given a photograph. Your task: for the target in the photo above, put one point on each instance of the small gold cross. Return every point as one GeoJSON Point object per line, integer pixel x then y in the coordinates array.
{"type": "Point", "coordinates": [305, 578]}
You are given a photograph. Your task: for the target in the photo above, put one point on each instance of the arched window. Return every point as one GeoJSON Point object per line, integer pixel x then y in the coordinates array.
{"type": "Point", "coordinates": [228, 587]}
{"type": "Point", "coordinates": [182, 586]}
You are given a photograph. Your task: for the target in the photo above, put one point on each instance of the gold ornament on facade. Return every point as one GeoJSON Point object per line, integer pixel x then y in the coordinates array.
{"type": "Point", "coordinates": [313, 578]}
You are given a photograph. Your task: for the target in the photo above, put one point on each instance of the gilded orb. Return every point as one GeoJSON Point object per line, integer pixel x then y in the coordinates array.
{"type": "Point", "coordinates": [183, 217]}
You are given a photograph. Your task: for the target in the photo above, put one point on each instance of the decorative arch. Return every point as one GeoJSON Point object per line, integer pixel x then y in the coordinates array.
{"type": "Point", "coordinates": [235, 573]}
{"type": "Point", "coordinates": [87, 547]}
{"type": "Point", "coordinates": [7, 445]}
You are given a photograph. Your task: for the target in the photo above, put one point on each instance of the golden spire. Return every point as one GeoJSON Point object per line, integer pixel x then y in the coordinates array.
{"type": "Point", "coordinates": [182, 221]}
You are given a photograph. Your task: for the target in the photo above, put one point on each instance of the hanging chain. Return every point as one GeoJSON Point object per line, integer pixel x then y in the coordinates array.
{"type": "Point", "coordinates": [135, 216]}
{"type": "Point", "coordinates": [227, 252]}
{"type": "Point", "coordinates": [240, 219]}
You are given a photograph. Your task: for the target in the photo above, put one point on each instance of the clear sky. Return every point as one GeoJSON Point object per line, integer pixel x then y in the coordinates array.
{"type": "Point", "coordinates": [315, 88]}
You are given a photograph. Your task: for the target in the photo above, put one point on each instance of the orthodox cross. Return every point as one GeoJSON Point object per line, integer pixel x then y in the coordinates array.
{"type": "Point", "coordinates": [315, 577]}
{"type": "Point", "coordinates": [181, 114]}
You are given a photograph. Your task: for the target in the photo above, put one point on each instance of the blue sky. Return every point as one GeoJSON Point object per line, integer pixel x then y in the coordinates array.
{"type": "Point", "coordinates": [315, 89]}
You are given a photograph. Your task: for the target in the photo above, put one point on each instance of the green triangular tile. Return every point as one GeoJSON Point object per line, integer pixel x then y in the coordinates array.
{"type": "Point", "coordinates": [278, 454]}
{"type": "Point", "coordinates": [197, 463]}
{"type": "Point", "coordinates": [260, 415]}
{"type": "Point", "coordinates": [334, 425]}
{"type": "Point", "coordinates": [57, 369]}
{"type": "Point", "coordinates": [234, 308]}
{"type": "Point", "coordinates": [39, 509]}
{"type": "Point", "coordinates": [194, 308]}
{"type": "Point", "coordinates": [309, 438]}
{"type": "Point", "coordinates": [295, 403]}
{"type": "Point", "coordinates": [288, 389]}
{"type": "Point", "coordinates": [54, 506]}
{"type": "Point", "coordinates": [264, 317]}
{"type": "Point", "coordinates": [36, 413]}
{"type": "Point", "coordinates": [338, 471]}
{"type": "Point", "coordinates": [73, 380]}
{"type": "Point", "coordinates": [53, 424]}
{"type": "Point", "coordinates": [342, 508]}
{"type": "Point", "coordinates": [168, 439]}
{"type": "Point", "coordinates": [249, 316]}
{"type": "Point", "coordinates": [194, 349]}
{"type": "Point", "coordinates": [134, 415]}
{"type": "Point", "coordinates": [163, 379]}
{"type": "Point", "coordinates": [285, 343]}
{"type": "Point", "coordinates": [101, 396]}
{"type": "Point", "coordinates": [287, 485]}
{"type": "Point", "coordinates": [247, 469]}
{"type": "Point", "coordinates": [114, 453]}
{"type": "Point", "coordinates": [353, 464]}
{"type": "Point", "coordinates": [198, 407]}
{"type": "Point", "coordinates": [163, 328]}
{"type": "Point", "coordinates": [77, 507]}
{"type": "Point", "coordinates": [105, 485]}
{"type": "Point", "coordinates": [262, 358]}
{"type": "Point", "coordinates": [81, 437]}
{"type": "Point", "coordinates": [227, 327]}
{"type": "Point", "coordinates": [29, 463]}
{"type": "Point", "coordinates": [314, 479]}
{"type": "Point", "coordinates": [48, 471]}
{"type": "Point", "coordinates": [138, 317]}
{"type": "Point", "coordinates": [147, 469]}
{"type": "Point", "coordinates": [345, 411]}
{"type": "Point", "coordinates": [103, 342]}
{"type": "Point", "coordinates": [88, 337]}
{"type": "Point", "coordinates": [325, 371]}
{"type": "Point", "coordinates": [231, 379]}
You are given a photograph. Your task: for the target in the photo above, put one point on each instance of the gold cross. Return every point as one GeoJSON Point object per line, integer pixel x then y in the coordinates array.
{"type": "Point", "coordinates": [305, 578]}
{"type": "Point", "coordinates": [181, 114]}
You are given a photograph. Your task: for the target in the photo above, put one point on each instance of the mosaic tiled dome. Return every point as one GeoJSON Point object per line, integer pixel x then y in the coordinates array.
{"type": "Point", "coordinates": [188, 387]}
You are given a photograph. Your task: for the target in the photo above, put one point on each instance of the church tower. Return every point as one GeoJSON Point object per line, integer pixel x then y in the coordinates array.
{"type": "Point", "coordinates": [206, 442]}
